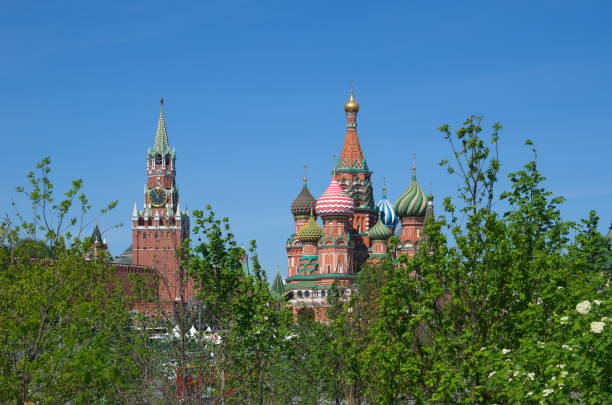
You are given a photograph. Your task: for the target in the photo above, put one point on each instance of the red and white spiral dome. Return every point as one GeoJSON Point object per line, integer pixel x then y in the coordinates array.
{"type": "Point", "coordinates": [334, 201]}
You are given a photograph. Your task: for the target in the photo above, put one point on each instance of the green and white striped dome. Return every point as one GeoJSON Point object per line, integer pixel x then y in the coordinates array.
{"type": "Point", "coordinates": [413, 203]}
{"type": "Point", "coordinates": [379, 231]}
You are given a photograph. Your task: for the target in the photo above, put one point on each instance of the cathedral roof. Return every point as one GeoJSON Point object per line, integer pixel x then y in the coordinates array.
{"type": "Point", "coordinates": [380, 231]}
{"type": "Point", "coordinates": [304, 203]}
{"type": "Point", "coordinates": [386, 212]}
{"type": "Point", "coordinates": [311, 232]}
{"type": "Point", "coordinates": [161, 145]}
{"type": "Point", "coordinates": [413, 203]}
{"type": "Point", "coordinates": [334, 201]}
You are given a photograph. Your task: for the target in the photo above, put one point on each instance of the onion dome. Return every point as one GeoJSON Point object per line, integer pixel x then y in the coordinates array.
{"type": "Point", "coordinates": [311, 232]}
{"type": "Point", "coordinates": [304, 203]}
{"type": "Point", "coordinates": [351, 105]}
{"type": "Point", "coordinates": [334, 201]}
{"type": "Point", "coordinates": [413, 203]}
{"type": "Point", "coordinates": [380, 231]}
{"type": "Point", "coordinates": [386, 213]}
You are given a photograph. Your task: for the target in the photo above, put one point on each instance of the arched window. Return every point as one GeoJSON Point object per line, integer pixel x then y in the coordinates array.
{"type": "Point", "coordinates": [307, 294]}
{"type": "Point", "coordinates": [158, 159]}
{"type": "Point", "coordinates": [299, 294]}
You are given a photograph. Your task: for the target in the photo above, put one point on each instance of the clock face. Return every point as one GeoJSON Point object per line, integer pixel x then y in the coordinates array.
{"type": "Point", "coordinates": [158, 197]}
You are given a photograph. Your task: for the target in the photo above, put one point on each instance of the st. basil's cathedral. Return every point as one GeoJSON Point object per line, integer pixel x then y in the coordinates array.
{"type": "Point", "coordinates": [354, 230]}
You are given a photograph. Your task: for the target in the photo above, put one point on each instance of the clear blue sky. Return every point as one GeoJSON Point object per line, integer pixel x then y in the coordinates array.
{"type": "Point", "coordinates": [254, 90]}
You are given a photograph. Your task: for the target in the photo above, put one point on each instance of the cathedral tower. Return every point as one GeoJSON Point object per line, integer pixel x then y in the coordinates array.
{"type": "Point", "coordinates": [160, 228]}
{"type": "Point", "coordinates": [411, 208]}
{"type": "Point", "coordinates": [354, 177]}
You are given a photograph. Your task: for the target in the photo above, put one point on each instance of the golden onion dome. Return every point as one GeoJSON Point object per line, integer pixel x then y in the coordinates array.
{"type": "Point", "coordinates": [351, 105]}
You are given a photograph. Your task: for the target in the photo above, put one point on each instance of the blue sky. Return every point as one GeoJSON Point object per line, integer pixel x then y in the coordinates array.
{"type": "Point", "coordinates": [254, 90]}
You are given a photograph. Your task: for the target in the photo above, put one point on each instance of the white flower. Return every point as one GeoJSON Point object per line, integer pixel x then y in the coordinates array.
{"type": "Point", "coordinates": [564, 320]}
{"type": "Point", "coordinates": [563, 374]}
{"type": "Point", "coordinates": [539, 301]}
{"type": "Point", "coordinates": [491, 374]}
{"type": "Point", "coordinates": [531, 376]}
{"type": "Point", "coordinates": [506, 351]}
{"type": "Point", "coordinates": [516, 373]}
{"type": "Point", "coordinates": [541, 344]}
{"type": "Point", "coordinates": [483, 348]}
{"type": "Point", "coordinates": [553, 378]}
{"type": "Point", "coordinates": [597, 302]}
{"type": "Point", "coordinates": [561, 366]}
{"type": "Point", "coordinates": [597, 327]}
{"type": "Point", "coordinates": [605, 319]}
{"type": "Point", "coordinates": [547, 392]}
{"type": "Point", "coordinates": [566, 347]}
{"type": "Point", "coordinates": [529, 394]}
{"type": "Point", "coordinates": [584, 307]}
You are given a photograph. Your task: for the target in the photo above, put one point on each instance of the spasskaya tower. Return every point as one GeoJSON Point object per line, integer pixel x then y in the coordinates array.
{"type": "Point", "coordinates": [159, 229]}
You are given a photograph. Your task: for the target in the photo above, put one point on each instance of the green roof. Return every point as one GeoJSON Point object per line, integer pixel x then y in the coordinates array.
{"type": "Point", "coordinates": [278, 286]}
{"type": "Point", "coordinates": [301, 285]}
{"type": "Point", "coordinates": [379, 231]}
{"type": "Point", "coordinates": [97, 235]}
{"type": "Point", "coordinates": [161, 145]}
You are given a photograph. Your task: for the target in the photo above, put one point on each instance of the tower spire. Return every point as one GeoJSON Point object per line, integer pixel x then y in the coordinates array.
{"type": "Point", "coordinates": [351, 156]}
{"type": "Point", "coordinates": [161, 144]}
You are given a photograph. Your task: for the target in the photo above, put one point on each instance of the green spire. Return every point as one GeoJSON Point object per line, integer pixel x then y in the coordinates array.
{"type": "Point", "coordinates": [278, 286]}
{"type": "Point", "coordinates": [96, 235]}
{"type": "Point", "coordinates": [161, 145]}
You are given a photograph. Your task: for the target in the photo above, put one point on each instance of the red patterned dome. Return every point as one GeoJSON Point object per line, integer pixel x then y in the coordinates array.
{"type": "Point", "coordinates": [334, 201]}
{"type": "Point", "coordinates": [304, 203]}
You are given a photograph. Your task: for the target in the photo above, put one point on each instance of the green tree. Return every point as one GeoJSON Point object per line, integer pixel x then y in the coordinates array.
{"type": "Point", "coordinates": [64, 335]}
{"type": "Point", "coordinates": [462, 321]}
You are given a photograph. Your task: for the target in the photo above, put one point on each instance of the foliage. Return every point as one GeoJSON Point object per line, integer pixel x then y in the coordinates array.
{"type": "Point", "coordinates": [64, 335]}
{"type": "Point", "coordinates": [459, 323]}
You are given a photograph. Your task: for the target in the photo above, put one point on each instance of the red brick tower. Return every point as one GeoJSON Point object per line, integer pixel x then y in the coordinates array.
{"type": "Point", "coordinates": [354, 177]}
{"type": "Point", "coordinates": [301, 209]}
{"type": "Point", "coordinates": [159, 229]}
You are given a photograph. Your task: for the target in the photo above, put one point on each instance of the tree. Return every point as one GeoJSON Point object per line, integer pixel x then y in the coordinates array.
{"type": "Point", "coordinates": [64, 336]}
{"type": "Point", "coordinates": [462, 321]}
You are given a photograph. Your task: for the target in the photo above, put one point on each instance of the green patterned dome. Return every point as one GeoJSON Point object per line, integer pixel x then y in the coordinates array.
{"type": "Point", "coordinates": [380, 231]}
{"type": "Point", "coordinates": [311, 232]}
{"type": "Point", "coordinates": [413, 203]}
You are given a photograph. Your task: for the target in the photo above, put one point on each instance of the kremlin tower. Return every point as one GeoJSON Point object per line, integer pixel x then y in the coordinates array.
{"type": "Point", "coordinates": [354, 231]}
{"type": "Point", "coordinates": [159, 229]}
